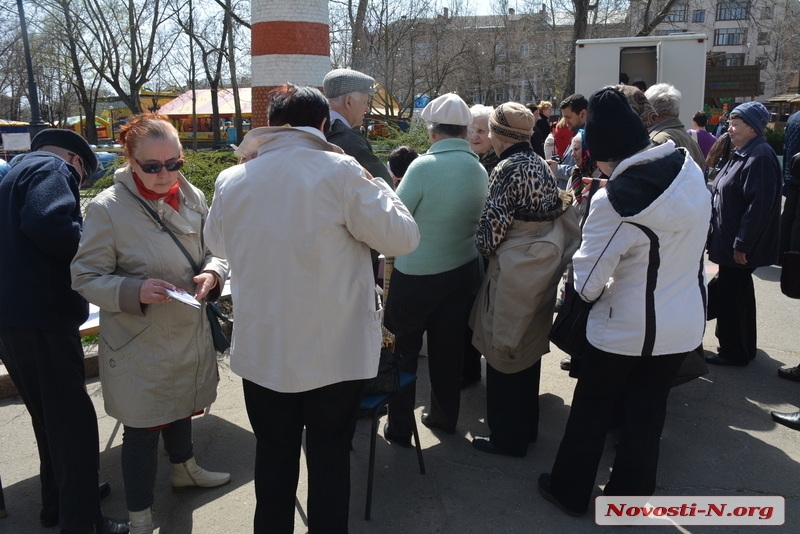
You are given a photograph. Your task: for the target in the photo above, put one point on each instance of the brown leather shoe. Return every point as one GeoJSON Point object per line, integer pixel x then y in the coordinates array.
{"type": "Point", "coordinates": [790, 373]}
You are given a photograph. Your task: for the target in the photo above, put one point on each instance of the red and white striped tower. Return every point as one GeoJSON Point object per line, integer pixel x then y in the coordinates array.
{"type": "Point", "coordinates": [290, 43]}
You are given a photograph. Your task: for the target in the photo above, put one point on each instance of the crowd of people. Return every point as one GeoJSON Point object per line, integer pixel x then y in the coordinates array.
{"type": "Point", "coordinates": [482, 226]}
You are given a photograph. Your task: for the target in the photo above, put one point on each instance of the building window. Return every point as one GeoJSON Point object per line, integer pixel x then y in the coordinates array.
{"type": "Point", "coordinates": [525, 50]}
{"type": "Point", "coordinates": [677, 13]}
{"type": "Point", "coordinates": [766, 12]}
{"type": "Point", "coordinates": [549, 48]}
{"type": "Point", "coordinates": [762, 61]}
{"type": "Point", "coordinates": [762, 87]}
{"type": "Point", "coordinates": [699, 16]}
{"type": "Point", "coordinates": [499, 95]}
{"type": "Point", "coordinates": [732, 10]}
{"type": "Point", "coordinates": [763, 38]}
{"type": "Point", "coordinates": [734, 60]}
{"type": "Point", "coordinates": [729, 36]}
{"type": "Point", "coordinates": [500, 49]}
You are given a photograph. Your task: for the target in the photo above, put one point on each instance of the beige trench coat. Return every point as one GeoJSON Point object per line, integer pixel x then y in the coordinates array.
{"type": "Point", "coordinates": [513, 311]}
{"type": "Point", "coordinates": [157, 362]}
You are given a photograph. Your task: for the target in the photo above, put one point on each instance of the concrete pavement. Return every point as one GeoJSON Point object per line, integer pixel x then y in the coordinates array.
{"type": "Point", "coordinates": [718, 440]}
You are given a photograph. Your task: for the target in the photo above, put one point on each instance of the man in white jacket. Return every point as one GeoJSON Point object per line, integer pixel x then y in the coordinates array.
{"type": "Point", "coordinates": [641, 263]}
{"type": "Point", "coordinates": [296, 224]}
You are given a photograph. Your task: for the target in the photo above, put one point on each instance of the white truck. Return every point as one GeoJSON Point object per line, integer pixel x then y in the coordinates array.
{"type": "Point", "coordinates": [678, 59]}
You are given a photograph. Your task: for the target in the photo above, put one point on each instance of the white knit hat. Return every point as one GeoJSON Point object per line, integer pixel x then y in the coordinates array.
{"type": "Point", "coordinates": [448, 109]}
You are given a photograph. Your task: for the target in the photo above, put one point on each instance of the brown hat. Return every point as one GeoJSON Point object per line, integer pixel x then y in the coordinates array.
{"type": "Point", "coordinates": [511, 122]}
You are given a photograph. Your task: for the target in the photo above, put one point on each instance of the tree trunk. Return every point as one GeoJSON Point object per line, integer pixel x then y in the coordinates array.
{"type": "Point", "coordinates": [237, 104]}
{"type": "Point", "coordinates": [358, 56]}
{"type": "Point", "coordinates": [578, 32]}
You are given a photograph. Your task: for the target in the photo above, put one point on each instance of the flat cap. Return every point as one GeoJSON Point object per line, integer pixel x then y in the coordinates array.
{"type": "Point", "coordinates": [69, 140]}
{"type": "Point", "coordinates": [340, 82]}
{"type": "Point", "coordinates": [448, 109]}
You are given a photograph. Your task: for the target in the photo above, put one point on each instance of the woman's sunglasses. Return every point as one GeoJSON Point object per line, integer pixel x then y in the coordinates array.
{"type": "Point", "coordinates": [155, 168]}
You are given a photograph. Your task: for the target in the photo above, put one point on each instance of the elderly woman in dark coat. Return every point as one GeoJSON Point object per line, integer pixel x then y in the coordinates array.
{"type": "Point", "coordinates": [744, 230]}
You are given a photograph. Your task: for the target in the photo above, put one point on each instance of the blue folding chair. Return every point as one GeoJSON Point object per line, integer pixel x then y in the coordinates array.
{"type": "Point", "coordinates": [371, 405]}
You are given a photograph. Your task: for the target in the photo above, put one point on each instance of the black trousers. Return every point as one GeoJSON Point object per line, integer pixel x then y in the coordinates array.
{"type": "Point", "coordinates": [512, 407]}
{"type": "Point", "coordinates": [472, 356]}
{"type": "Point", "coordinates": [47, 369]}
{"type": "Point", "coordinates": [736, 314]}
{"type": "Point", "coordinates": [140, 458]}
{"type": "Point", "coordinates": [438, 303]}
{"type": "Point", "coordinates": [790, 220]}
{"type": "Point", "coordinates": [329, 416]}
{"type": "Point", "coordinates": [644, 384]}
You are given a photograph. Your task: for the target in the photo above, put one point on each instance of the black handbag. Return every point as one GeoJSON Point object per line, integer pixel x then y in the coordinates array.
{"type": "Point", "coordinates": [214, 314]}
{"type": "Point", "coordinates": [388, 378]}
{"type": "Point", "coordinates": [790, 275]}
{"type": "Point", "coordinates": [568, 332]}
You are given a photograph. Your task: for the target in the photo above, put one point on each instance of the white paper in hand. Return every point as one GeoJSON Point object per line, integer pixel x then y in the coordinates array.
{"type": "Point", "coordinates": [184, 297]}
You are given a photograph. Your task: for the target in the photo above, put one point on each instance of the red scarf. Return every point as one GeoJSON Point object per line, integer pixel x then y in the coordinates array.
{"type": "Point", "coordinates": [170, 197]}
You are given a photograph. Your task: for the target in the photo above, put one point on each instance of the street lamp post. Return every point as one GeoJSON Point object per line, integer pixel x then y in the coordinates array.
{"type": "Point", "coordinates": [37, 124]}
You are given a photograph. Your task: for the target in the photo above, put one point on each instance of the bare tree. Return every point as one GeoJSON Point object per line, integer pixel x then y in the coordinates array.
{"type": "Point", "coordinates": [125, 45]}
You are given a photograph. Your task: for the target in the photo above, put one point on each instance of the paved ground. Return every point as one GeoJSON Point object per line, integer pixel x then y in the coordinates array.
{"type": "Point", "coordinates": [718, 440]}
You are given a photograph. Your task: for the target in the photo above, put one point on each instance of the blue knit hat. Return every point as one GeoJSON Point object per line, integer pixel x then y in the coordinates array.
{"type": "Point", "coordinates": [754, 114]}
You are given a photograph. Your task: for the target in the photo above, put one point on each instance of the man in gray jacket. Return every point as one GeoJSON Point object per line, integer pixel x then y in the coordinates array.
{"type": "Point", "coordinates": [349, 96]}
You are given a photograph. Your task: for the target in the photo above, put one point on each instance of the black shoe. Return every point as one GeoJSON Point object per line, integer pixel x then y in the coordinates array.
{"type": "Point", "coordinates": [430, 422]}
{"type": "Point", "coordinates": [106, 526]}
{"type": "Point", "coordinates": [716, 359]}
{"type": "Point", "coordinates": [484, 444]}
{"type": "Point", "coordinates": [544, 489]}
{"type": "Point", "coordinates": [566, 363]}
{"type": "Point", "coordinates": [792, 420]}
{"type": "Point", "coordinates": [394, 438]}
{"type": "Point", "coordinates": [468, 381]}
{"type": "Point", "coordinates": [790, 373]}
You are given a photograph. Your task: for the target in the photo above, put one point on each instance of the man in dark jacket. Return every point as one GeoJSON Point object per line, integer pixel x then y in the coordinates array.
{"type": "Point", "coordinates": [745, 223]}
{"type": "Point", "coordinates": [348, 92]}
{"type": "Point", "coordinates": [790, 219]}
{"type": "Point", "coordinates": [39, 325]}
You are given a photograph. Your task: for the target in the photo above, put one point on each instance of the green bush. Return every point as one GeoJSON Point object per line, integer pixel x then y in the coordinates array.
{"type": "Point", "coordinates": [416, 137]}
{"type": "Point", "coordinates": [775, 139]}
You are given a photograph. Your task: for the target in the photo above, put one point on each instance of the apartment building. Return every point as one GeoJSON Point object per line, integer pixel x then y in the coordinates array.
{"type": "Point", "coordinates": [740, 32]}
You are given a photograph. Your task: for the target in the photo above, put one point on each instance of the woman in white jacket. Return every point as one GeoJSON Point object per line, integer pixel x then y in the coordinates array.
{"type": "Point", "coordinates": [641, 263]}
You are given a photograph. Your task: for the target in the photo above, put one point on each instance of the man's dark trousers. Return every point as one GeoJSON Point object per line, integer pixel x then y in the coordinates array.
{"type": "Point", "coordinates": [329, 415]}
{"type": "Point", "coordinates": [48, 370]}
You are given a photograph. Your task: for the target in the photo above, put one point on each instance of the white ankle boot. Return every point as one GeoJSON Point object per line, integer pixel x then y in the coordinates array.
{"type": "Point", "coordinates": [141, 522]}
{"type": "Point", "coordinates": [190, 474]}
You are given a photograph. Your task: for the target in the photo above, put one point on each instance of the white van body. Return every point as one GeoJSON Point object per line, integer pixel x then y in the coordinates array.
{"type": "Point", "coordinates": [678, 59]}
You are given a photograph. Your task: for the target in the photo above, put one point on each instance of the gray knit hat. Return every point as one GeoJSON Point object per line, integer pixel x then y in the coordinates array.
{"type": "Point", "coordinates": [754, 114]}
{"type": "Point", "coordinates": [340, 82]}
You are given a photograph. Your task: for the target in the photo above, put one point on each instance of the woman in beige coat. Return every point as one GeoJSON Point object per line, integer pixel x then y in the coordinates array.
{"type": "Point", "coordinates": [528, 231]}
{"type": "Point", "coordinates": [157, 360]}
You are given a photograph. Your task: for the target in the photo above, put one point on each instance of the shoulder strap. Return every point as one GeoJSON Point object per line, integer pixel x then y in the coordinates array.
{"type": "Point", "coordinates": [164, 227]}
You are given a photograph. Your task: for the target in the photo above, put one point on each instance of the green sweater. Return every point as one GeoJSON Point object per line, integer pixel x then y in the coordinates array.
{"type": "Point", "coordinates": [445, 190]}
